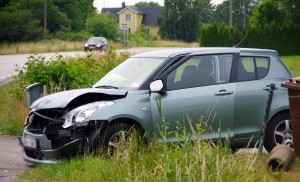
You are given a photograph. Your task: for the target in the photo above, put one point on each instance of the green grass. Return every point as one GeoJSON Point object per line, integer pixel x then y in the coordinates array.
{"type": "Point", "coordinates": [201, 161]}
{"type": "Point", "coordinates": [293, 63]}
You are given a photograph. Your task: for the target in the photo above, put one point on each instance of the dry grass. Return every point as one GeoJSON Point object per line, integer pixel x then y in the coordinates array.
{"type": "Point", "coordinates": [164, 43]}
{"type": "Point", "coordinates": [64, 46]}
{"type": "Point", "coordinates": [40, 47]}
{"type": "Point", "coordinates": [12, 111]}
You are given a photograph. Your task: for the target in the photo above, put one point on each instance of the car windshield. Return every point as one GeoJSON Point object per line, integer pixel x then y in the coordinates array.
{"type": "Point", "coordinates": [130, 74]}
{"type": "Point", "coordinates": [95, 40]}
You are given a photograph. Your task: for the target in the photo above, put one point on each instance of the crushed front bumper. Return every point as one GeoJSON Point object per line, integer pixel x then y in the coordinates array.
{"type": "Point", "coordinates": [42, 152]}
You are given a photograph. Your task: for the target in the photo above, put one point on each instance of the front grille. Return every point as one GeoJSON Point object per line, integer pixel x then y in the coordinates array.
{"type": "Point", "coordinates": [33, 154]}
{"type": "Point", "coordinates": [42, 123]}
{"type": "Point", "coordinates": [56, 143]}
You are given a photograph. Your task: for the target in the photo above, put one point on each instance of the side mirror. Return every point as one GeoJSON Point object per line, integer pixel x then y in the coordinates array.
{"type": "Point", "coordinates": [156, 86]}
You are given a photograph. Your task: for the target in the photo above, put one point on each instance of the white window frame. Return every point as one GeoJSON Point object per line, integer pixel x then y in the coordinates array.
{"type": "Point", "coordinates": [127, 17]}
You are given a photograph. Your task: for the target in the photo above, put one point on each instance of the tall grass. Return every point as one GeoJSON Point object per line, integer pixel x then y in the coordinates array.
{"type": "Point", "coordinates": [198, 161]}
{"type": "Point", "coordinates": [177, 161]}
{"type": "Point", "coordinates": [12, 111]}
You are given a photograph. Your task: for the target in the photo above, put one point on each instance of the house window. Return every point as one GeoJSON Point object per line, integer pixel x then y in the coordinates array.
{"type": "Point", "coordinates": [127, 17]}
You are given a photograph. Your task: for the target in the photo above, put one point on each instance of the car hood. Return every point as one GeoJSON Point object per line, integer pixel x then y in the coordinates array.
{"type": "Point", "coordinates": [77, 97]}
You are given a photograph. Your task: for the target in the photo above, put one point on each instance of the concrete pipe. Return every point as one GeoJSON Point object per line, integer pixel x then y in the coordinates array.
{"type": "Point", "coordinates": [282, 156]}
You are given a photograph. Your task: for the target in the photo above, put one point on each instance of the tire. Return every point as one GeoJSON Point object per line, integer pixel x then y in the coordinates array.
{"type": "Point", "coordinates": [112, 137]}
{"type": "Point", "coordinates": [279, 132]}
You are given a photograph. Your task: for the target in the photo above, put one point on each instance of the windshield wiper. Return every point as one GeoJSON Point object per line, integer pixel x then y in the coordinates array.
{"type": "Point", "coordinates": [106, 86]}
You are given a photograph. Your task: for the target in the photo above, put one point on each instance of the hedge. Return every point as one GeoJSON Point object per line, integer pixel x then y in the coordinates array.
{"type": "Point", "coordinates": [285, 38]}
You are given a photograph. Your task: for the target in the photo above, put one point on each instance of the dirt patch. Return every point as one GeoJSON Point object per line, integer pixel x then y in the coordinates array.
{"type": "Point", "coordinates": [11, 161]}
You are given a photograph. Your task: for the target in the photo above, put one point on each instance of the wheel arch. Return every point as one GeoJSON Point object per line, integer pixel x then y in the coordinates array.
{"type": "Point", "coordinates": [101, 125]}
{"type": "Point", "coordinates": [128, 121]}
{"type": "Point", "coordinates": [287, 111]}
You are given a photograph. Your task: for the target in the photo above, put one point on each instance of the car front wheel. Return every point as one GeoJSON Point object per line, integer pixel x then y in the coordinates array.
{"type": "Point", "coordinates": [113, 137]}
{"type": "Point", "coordinates": [279, 131]}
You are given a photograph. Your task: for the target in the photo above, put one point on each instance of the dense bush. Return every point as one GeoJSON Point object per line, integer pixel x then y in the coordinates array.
{"type": "Point", "coordinates": [60, 73]}
{"type": "Point", "coordinates": [285, 38]}
{"type": "Point", "coordinates": [72, 36]}
{"type": "Point", "coordinates": [102, 25]}
{"type": "Point", "coordinates": [142, 37]}
{"type": "Point", "coordinates": [213, 35]}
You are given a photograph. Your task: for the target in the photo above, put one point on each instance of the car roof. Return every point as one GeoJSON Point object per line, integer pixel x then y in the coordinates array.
{"type": "Point", "coordinates": [172, 52]}
{"type": "Point", "coordinates": [97, 38]}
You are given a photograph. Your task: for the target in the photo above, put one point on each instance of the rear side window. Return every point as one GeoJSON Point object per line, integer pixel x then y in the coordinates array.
{"type": "Point", "coordinates": [252, 68]}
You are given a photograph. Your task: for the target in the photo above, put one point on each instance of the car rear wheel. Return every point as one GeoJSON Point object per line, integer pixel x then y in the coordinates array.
{"type": "Point", "coordinates": [279, 131]}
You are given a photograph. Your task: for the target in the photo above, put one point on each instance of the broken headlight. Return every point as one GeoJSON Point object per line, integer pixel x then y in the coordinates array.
{"type": "Point", "coordinates": [80, 115]}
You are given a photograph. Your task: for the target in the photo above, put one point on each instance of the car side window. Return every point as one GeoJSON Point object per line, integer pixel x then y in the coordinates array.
{"type": "Point", "coordinates": [225, 64]}
{"type": "Point", "coordinates": [200, 71]}
{"type": "Point", "coordinates": [262, 67]}
{"type": "Point", "coordinates": [252, 68]}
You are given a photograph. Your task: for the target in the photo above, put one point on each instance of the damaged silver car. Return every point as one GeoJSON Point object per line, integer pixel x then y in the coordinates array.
{"type": "Point", "coordinates": [188, 82]}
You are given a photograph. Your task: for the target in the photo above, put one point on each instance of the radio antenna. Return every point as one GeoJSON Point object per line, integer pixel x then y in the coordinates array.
{"type": "Point", "coordinates": [238, 45]}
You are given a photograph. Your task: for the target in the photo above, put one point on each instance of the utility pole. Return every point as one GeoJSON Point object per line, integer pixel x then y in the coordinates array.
{"type": "Point", "coordinates": [230, 13]}
{"type": "Point", "coordinates": [45, 15]}
{"type": "Point", "coordinates": [244, 20]}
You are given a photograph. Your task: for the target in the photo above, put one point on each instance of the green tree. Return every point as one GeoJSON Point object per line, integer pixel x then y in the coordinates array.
{"type": "Point", "coordinates": [180, 20]}
{"type": "Point", "coordinates": [55, 17]}
{"type": "Point", "coordinates": [4, 3]}
{"type": "Point", "coordinates": [205, 9]}
{"type": "Point", "coordinates": [241, 12]}
{"type": "Point", "coordinates": [77, 11]}
{"type": "Point", "coordinates": [23, 20]}
{"type": "Point", "coordinates": [292, 9]}
{"type": "Point", "coordinates": [104, 25]}
{"type": "Point", "coordinates": [146, 4]}
{"type": "Point", "coordinates": [269, 11]}
{"type": "Point", "coordinates": [18, 25]}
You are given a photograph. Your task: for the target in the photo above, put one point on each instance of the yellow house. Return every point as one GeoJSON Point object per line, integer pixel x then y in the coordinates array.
{"type": "Point", "coordinates": [132, 18]}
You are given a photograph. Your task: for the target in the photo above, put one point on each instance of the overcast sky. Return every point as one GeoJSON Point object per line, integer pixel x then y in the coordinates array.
{"type": "Point", "coordinates": [99, 4]}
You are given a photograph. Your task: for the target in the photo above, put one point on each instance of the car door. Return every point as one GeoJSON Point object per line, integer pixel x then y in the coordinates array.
{"type": "Point", "coordinates": [250, 98]}
{"type": "Point", "coordinates": [198, 101]}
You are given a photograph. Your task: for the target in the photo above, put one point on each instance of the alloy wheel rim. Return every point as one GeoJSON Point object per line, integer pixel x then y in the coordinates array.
{"type": "Point", "coordinates": [117, 139]}
{"type": "Point", "coordinates": [283, 133]}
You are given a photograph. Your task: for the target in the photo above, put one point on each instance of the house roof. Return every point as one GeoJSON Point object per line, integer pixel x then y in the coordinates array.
{"type": "Point", "coordinates": [135, 9]}
{"type": "Point", "coordinates": [113, 11]}
{"type": "Point", "coordinates": [149, 13]}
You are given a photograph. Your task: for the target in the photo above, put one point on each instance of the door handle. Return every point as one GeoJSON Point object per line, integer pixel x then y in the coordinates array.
{"type": "Point", "coordinates": [223, 92]}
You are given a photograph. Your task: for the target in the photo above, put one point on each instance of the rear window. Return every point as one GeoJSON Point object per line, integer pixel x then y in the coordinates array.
{"type": "Point", "coordinates": [252, 68]}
